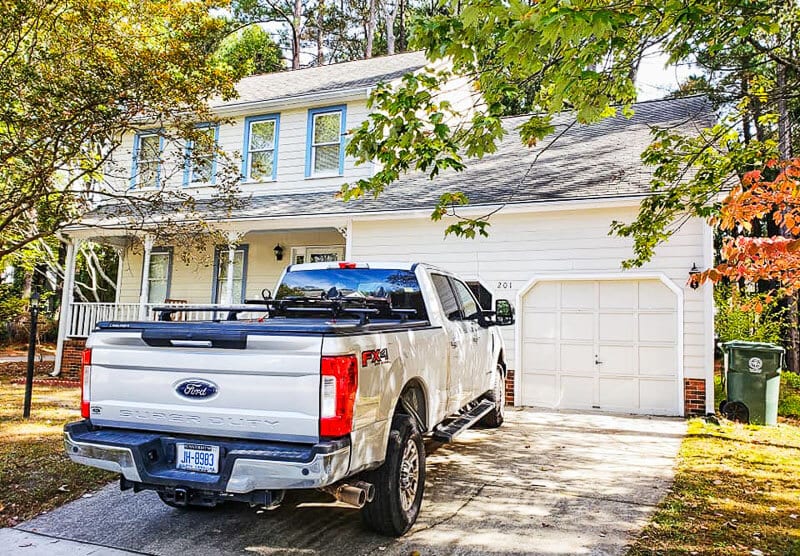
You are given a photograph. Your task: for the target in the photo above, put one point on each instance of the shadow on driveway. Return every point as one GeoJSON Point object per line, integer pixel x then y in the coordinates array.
{"type": "Point", "coordinates": [544, 483]}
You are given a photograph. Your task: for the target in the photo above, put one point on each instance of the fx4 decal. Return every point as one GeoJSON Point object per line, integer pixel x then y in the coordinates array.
{"type": "Point", "coordinates": [374, 357]}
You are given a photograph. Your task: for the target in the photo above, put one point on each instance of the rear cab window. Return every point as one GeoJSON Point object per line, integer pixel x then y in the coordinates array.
{"type": "Point", "coordinates": [386, 289]}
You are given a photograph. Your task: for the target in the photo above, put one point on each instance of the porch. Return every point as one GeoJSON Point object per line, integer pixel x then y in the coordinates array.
{"type": "Point", "coordinates": [153, 272]}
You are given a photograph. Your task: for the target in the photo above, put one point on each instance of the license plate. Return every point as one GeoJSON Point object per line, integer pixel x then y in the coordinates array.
{"type": "Point", "coordinates": [198, 457]}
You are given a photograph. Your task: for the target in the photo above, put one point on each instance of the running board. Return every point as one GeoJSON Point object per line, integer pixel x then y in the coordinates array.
{"type": "Point", "coordinates": [446, 433]}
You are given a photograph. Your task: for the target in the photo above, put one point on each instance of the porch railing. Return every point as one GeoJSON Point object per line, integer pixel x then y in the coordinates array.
{"type": "Point", "coordinates": [84, 316]}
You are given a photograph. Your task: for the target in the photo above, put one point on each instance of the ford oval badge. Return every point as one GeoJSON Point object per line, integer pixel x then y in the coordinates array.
{"type": "Point", "coordinates": [196, 389]}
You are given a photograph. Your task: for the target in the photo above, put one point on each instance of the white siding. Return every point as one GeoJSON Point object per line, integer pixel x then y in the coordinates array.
{"type": "Point", "coordinates": [192, 281]}
{"type": "Point", "coordinates": [291, 155]}
{"type": "Point", "coordinates": [521, 246]}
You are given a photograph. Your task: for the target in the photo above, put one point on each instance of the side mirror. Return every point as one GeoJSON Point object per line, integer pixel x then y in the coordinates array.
{"type": "Point", "coordinates": [503, 312]}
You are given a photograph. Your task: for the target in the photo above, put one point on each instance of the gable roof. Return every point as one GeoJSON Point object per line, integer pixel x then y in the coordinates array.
{"type": "Point", "coordinates": [597, 161]}
{"type": "Point", "coordinates": [358, 74]}
{"type": "Point", "coordinates": [577, 162]}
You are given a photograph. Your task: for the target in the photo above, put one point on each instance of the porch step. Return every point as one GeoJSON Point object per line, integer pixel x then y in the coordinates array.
{"type": "Point", "coordinates": [446, 432]}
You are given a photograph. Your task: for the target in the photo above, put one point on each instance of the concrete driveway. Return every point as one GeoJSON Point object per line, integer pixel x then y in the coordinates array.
{"type": "Point", "coordinates": [545, 483]}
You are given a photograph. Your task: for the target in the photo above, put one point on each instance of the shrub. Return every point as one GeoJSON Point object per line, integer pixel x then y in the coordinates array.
{"type": "Point", "coordinates": [737, 319]}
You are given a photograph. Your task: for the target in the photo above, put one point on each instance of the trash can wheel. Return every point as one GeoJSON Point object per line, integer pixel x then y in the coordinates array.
{"type": "Point", "coordinates": [736, 411]}
{"type": "Point", "coordinates": [722, 405]}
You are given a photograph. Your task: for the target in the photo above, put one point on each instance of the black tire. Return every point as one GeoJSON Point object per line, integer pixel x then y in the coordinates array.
{"type": "Point", "coordinates": [186, 507]}
{"type": "Point", "coordinates": [496, 416]}
{"type": "Point", "coordinates": [722, 405]}
{"type": "Point", "coordinates": [736, 411]}
{"type": "Point", "coordinates": [399, 482]}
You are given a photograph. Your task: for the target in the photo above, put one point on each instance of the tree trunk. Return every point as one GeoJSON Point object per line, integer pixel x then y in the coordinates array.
{"type": "Point", "coordinates": [371, 22]}
{"type": "Point", "coordinates": [401, 12]}
{"type": "Point", "coordinates": [390, 13]}
{"type": "Point", "coordinates": [296, 15]}
{"type": "Point", "coordinates": [785, 149]}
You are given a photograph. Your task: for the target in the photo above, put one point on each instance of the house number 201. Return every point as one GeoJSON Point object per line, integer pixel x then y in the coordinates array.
{"type": "Point", "coordinates": [504, 285]}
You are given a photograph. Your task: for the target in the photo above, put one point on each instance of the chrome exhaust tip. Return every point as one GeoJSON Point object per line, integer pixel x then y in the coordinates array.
{"type": "Point", "coordinates": [356, 495]}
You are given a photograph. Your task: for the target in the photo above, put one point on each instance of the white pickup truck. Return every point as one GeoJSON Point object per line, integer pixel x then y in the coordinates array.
{"type": "Point", "coordinates": [329, 385]}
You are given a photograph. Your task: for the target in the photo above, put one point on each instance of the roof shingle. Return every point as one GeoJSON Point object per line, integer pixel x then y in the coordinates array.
{"type": "Point", "coordinates": [597, 161]}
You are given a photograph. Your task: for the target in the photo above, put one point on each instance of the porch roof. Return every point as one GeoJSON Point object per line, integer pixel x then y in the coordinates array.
{"type": "Point", "coordinates": [598, 161]}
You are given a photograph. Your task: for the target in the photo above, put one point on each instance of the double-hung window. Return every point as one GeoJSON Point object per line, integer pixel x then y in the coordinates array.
{"type": "Point", "coordinates": [201, 161]}
{"type": "Point", "coordinates": [220, 293]}
{"type": "Point", "coordinates": [146, 160]}
{"type": "Point", "coordinates": [326, 140]}
{"type": "Point", "coordinates": [261, 148]}
{"type": "Point", "coordinates": [158, 275]}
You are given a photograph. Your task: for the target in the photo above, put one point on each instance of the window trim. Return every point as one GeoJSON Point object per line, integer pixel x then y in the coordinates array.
{"type": "Point", "coordinates": [215, 275]}
{"type": "Point", "coordinates": [188, 167]}
{"type": "Point", "coordinates": [297, 248]}
{"type": "Point", "coordinates": [248, 122]}
{"type": "Point", "coordinates": [312, 114]}
{"type": "Point", "coordinates": [158, 251]}
{"type": "Point", "coordinates": [137, 144]}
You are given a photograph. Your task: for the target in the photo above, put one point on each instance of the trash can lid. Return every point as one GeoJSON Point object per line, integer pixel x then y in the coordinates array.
{"type": "Point", "coordinates": [742, 344]}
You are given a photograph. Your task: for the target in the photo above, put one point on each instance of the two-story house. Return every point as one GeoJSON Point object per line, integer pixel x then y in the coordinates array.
{"type": "Point", "coordinates": [588, 334]}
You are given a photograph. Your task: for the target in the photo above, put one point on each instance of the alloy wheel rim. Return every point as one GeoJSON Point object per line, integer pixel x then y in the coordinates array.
{"type": "Point", "coordinates": [409, 474]}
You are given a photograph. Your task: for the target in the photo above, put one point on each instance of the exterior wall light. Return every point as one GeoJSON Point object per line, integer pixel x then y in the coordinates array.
{"type": "Point", "coordinates": [693, 272]}
{"type": "Point", "coordinates": [278, 250]}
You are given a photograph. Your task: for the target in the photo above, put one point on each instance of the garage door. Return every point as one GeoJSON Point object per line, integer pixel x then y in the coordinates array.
{"type": "Point", "coordinates": [604, 344]}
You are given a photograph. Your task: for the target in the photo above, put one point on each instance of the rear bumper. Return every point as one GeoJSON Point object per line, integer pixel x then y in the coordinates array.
{"type": "Point", "coordinates": [245, 466]}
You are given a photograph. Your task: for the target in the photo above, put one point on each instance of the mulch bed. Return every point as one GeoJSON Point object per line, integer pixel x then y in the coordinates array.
{"type": "Point", "coordinates": [16, 370]}
{"type": "Point", "coordinates": [57, 382]}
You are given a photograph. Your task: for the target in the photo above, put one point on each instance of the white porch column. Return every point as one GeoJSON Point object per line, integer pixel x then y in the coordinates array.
{"type": "Point", "coordinates": [66, 303]}
{"type": "Point", "coordinates": [233, 241]}
{"type": "Point", "coordinates": [145, 289]}
{"type": "Point", "coordinates": [120, 268]}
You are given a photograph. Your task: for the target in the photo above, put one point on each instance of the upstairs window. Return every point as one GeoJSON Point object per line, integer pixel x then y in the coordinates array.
{"type": "Point", "coordinates": [201, 160]}
{"type": "Point", "coordinates": [261, 148]}
{"type": "Point", "coordinates": [326, 135]}
{"type": "Point", "coordinates": [146, 160]}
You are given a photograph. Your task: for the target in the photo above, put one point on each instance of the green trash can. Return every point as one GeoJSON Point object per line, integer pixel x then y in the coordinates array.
{"type": "Point", "coordinates": [752, 382]}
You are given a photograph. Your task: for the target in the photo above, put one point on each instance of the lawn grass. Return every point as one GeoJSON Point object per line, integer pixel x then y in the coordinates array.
{"type": "Point", "coordinates": [736, 491]}
{"type": "Point", "coordinates": [35, 474]}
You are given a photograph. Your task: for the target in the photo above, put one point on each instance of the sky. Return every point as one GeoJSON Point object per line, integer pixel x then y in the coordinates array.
{"type": "Point", "coordinates": [655, 79]}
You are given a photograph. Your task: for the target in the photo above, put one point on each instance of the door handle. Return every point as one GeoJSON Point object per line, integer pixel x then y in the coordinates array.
{"type": "Point", "coordinates": [453, 344]}
{"type": "Point", "coordinates": [597, 361]}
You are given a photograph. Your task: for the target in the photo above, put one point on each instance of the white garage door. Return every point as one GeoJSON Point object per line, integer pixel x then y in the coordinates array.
{"type": "Point", "coordinates": [605, 344]}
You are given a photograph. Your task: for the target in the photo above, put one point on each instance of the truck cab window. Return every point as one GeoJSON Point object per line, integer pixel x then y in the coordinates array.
{"type": "Point", "coordinates": [467, 301]}
{"type": "Point", "coordinates": [446, 296]}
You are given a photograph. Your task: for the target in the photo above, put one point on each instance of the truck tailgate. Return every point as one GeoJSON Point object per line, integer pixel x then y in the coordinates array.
{"type": "Point", "coordinates": [212, 381]}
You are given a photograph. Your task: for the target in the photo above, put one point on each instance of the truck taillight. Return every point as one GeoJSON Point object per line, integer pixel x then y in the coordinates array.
{"type": "Point", "coordinates": [338, 395]}
{"type": "Point", "coordinates": [86, 381]}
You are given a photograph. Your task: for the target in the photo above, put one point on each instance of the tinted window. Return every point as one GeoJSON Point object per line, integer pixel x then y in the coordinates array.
{"type": "Point", "coordinates": [483, 295]}
{"type": "Point", "coordinates": [468, 304]}
{"type": "Point", "coordinates": [446, 296]}
{"type": "Point", "coordinates": [399, 287]}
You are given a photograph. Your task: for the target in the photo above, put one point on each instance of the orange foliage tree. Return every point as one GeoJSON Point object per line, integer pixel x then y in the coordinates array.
{"type": "Point", "coordinates": [761, 199]}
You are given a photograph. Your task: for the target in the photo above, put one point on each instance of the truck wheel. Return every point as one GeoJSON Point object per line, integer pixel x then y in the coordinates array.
{"type": "Point", "coordinates": [496, 416]}
{"type": "Point", "coordinates": [399, 482]}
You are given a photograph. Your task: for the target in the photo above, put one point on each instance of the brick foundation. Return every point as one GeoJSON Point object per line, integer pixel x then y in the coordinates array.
{"type": "Point", "coordinates": [694, 396]}
{"type": "Point", "coordinates": [71, 358]}
{"type": "Point", "coordinates": [510, 387]}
